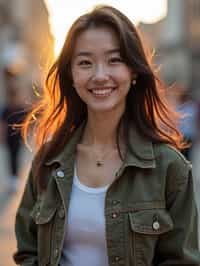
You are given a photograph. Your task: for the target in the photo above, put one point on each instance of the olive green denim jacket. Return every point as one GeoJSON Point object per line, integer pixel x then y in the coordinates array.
{"type": "Point", "coordinates": [150, 210]}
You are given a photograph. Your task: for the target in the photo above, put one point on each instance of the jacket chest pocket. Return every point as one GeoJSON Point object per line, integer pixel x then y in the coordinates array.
{"type": "Point", "coordinates": [146, 227]}
{"type": "Point", "coordinates": [44, 219]}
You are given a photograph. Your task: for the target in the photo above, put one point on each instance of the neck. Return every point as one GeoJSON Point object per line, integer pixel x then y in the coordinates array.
{"type": "Point", "coordinates": [101, 130]}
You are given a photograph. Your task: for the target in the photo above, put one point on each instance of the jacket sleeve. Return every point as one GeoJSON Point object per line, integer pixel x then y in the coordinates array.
{"type": "Point", "coordinates": [25, 230]}
{"type": "Point", "coordinates": [180, 246]}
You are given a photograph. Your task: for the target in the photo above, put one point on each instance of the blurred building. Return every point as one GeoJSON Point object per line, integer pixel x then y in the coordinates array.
{"type": "Point", "coordinates": [176, 40]}
{"type": "Point", "coordinates": [192, 9]}
{"type": "Point", "coordinates": [26, 43]}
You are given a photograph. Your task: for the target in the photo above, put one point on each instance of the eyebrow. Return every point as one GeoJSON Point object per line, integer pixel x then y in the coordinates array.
{"type": "Point", "coordinates": [85, 53]}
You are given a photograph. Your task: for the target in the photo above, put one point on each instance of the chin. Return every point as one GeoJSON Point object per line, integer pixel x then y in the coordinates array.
{"type": "Point", "coordinates": [103, 108]}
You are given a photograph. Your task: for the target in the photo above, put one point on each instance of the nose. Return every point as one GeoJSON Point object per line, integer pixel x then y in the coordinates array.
{"type": "Point", "coordinates": [101, 73]}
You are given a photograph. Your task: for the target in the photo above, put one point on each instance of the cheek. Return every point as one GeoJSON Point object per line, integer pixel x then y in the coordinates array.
{"type": "Point", "coordinates": [125, 82]}
{"type": "Point", "coordinates": [80, 78]}
{"type": "Point", "coordinates": [123, 76]}
{"type": "Point", "coordinates": [75, 77]}
{"type": "Point", "coordinates": [80, 83]}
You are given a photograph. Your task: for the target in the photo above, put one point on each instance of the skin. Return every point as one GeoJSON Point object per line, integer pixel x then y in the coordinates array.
{"type": "Point", "coordinates": [97, 64]}
{"type": "Point", "coordinates": [102, 80]}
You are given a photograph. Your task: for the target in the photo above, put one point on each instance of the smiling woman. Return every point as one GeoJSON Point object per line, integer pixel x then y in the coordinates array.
{"type": "Point", "coordinates": [99, 72]}
{"type": "Point", "coordinates": [144, 11]}
{"type": "Point", "coordinates": [108, 185]}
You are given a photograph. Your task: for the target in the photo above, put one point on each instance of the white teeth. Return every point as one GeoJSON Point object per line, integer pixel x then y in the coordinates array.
{"type": "Point", "coordinates": [102, 92]}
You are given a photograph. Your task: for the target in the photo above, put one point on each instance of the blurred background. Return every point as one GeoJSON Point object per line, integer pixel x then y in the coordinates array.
{"type": "Point", "coordinates": [31, 36]}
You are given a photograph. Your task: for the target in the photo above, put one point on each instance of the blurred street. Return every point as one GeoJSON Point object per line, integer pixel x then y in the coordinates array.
{"type": "Point", "coordinates": [8, 206]}
{"type": "Point", "coordinates": [172, 39]}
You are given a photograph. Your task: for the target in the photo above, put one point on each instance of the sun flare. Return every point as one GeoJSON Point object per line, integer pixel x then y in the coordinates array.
{"type": "Point", "coordinates": [62, 14]}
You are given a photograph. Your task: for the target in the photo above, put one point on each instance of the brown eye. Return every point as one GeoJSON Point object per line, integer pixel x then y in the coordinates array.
{"type": "Point", "coordinates": [116, 60]}
{"type": "Point", "coordinates": [84, 63]}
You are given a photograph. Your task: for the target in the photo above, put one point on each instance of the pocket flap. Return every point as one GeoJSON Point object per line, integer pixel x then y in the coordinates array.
{"type": "Point", "coordinates": [154, 221]}
{"type": "Point", "coordinates": [42, 215]}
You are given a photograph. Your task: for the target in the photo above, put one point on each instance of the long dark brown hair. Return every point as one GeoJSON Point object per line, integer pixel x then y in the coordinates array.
{"type": "Point", "coordinates": [60, 110]}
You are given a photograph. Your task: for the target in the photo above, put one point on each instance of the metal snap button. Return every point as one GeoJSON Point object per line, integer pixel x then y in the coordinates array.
{"type": "Point", "coordinates": [114, 215]}
{"type": "Point", "coordinates": [117, 258]}
{"type": "Point", "coordinates": [60, 173]}
{"type": "Point", "coordinates": [156, 225]}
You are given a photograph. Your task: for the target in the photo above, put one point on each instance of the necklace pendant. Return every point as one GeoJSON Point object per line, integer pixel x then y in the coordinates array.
{"type": "Point", "coordinates": [99, 163]}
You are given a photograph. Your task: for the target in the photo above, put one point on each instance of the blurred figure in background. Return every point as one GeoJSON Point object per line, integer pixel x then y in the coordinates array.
{"type": "Point", "coordinates": [187, 107]}
{"type": "Point", "coordinates": [12, 113]}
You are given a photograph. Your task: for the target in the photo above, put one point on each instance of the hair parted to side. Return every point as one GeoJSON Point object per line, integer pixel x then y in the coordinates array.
{"type": "Point", "coordinates": [60, 110]}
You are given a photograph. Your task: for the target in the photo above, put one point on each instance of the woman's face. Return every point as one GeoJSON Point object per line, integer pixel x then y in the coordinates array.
{"type": "Point", "coordinates": [100, 77]}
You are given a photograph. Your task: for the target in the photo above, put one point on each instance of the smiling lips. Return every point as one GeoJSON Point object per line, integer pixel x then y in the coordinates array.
{"type": "Point", "coordinates": [102, 92]}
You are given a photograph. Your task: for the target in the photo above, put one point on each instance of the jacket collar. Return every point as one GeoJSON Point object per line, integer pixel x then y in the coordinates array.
{"type": "Point", "coordinates": [68, 153]}
{"type": "Point", "coordinates": [143, 152]}
{"type": "Point", "coordinates": [143, 156]}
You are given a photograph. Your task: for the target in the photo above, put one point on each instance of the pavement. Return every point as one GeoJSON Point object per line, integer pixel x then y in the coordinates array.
{"type": "Point", "coordinates": [8, 205]}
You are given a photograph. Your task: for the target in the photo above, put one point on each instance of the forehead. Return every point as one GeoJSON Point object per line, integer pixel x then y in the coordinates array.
{"type": "Point", "coordinates": [96, 39]}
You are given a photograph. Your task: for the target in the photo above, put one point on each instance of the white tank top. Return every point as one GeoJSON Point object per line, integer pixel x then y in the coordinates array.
{"type": "Point", "coordinates": [85, 237]}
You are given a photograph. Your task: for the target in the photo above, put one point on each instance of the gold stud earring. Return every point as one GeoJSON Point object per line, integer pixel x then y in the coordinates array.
{"type": "Point", "coordinates": [133, 82]}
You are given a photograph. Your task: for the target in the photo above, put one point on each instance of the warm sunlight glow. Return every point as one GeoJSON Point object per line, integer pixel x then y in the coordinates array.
{"type": "Point", "coordinates": [62, 14]}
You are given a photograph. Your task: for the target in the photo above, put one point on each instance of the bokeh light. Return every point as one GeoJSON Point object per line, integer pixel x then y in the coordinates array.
{"type": "Point", "coordinates": [62, 14]}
